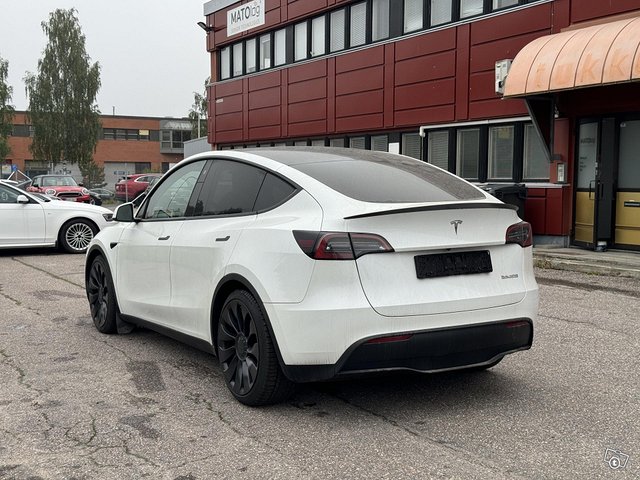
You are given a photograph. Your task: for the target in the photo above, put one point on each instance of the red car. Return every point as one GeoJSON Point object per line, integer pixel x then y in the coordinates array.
{"type": "Point", "coordinates": [133, 185]}
{"type": "Point", "coordinates": [62, 186]}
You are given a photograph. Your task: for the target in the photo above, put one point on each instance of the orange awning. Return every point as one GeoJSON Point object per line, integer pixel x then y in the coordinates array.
{"type": "Point", "coordinates": [586, 57]}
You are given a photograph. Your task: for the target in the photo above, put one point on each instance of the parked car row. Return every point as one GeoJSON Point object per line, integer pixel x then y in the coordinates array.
{"type": "Point", "coordinates": [34, 219]}
{"type": "Point", "coordinates": [133, 185]}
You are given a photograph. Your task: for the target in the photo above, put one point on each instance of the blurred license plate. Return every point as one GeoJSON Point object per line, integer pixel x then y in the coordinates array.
{"type": "Point", "coordinates": [446, 264]}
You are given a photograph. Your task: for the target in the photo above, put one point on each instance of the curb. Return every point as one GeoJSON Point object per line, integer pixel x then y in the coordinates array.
{"type": "Point", "coordinates": [542, 260]}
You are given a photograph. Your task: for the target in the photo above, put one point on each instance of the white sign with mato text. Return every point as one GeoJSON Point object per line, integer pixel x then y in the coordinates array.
{"type": "Point", "coordinates": [245, 17]}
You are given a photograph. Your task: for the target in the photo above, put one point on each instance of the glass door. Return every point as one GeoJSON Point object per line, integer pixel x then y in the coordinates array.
{"type": "Point", "coordinates": [627, 226]}
{"type": "Point", "coordinates": [587, 156]}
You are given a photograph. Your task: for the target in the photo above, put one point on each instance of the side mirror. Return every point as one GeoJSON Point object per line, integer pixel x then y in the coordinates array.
{"type": "Point", "coordinates": [124, 213]}
{"type": "Point", "coordinates": [22, 199]}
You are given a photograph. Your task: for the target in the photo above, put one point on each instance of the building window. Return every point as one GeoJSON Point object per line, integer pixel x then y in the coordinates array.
{"type": "Point", "coordinates": [300, 32]}
{"type": "Point", "coordinates": [412, 15]}
{"type": "Point", "coordinates": [132, 134]}
{"type": "Point", "coordinates": [440, 12]}
{"type": "Point", "coordinates": [237, 60]}
{"type": "Point", "coordinates": [349, 27]}
{"type": "Point", "coordinates": [108, 134]}
{"type": "Point", "coordinates": [497, 4]}
{"type": "Point", "coordinates": [318, 44]}
{"type": "Point", "coordinates": [379, 19]}
{"type": "Point", "coordinates": [468, 153]}
{"type": "Point", "coordinates": [300, 143]}
{"type": "Point", "coordinates": [319, 142]}
{"type": "Point", "coordinates": [501, 140]}
{"type": "Point", "coordinates": [121, 134]}
{"type": "Point", "coordinates": [380, 143]}
{"type": "Point", "coordinates": [143, 134]}
{"type": "Point", "coordinates": [337, 30]}
{"type": "Point", "coordinates": [411, 145]}
{"type": "Point", "coordinates": [179, 137]}
{"type": "Point", "coordinates": [358, 24]}
{"type": "Point", "coordinates": [250, 50]}
{"type": "Point", "coordinates": [225, 63]}
{"type": "Point", "coordinates": [438, 149]}
{"type": "Point", "coordinates": [265, 51]}
{"type": "Point", "coordinates": [280, 47]}
{"type": "Point", "coordinates": [470, 8]}
{"type": "Point", "coordinates": [166, 139]}
{"type": "Point", "coordinates": [358, 142]}
{"type": "Point", "coordinates": [535, 163]}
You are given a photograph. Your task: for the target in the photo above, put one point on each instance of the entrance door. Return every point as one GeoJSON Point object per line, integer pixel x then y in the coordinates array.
{"type": "Point", "coordinates": [588, 135]}
{"type": "Point", "coordinates": [595, 183]}
{"type": "Point", "coordinates": [627, 229]}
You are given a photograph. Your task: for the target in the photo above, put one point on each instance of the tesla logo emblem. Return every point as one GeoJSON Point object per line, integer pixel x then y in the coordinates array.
{"type": "Point", "coordinates": [455, 224]}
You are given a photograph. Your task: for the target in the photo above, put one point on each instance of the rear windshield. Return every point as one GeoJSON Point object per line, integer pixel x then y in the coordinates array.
{"type": "Point", "coordinates": [385, 180]}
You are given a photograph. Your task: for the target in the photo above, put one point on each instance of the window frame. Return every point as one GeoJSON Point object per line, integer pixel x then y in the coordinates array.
{"type": "Point", "coordinates": [304, 23]}
{"type": "Point", "coordinates": [367, 32]}
{"type": "Point", "coordinates": [210, 169]}
{"type": "Point", "coordinates": [490, 165]}
{"type": "Point", "coordinates": [141, 215]}
{"type": "Point", "coordinates": [345, 29]}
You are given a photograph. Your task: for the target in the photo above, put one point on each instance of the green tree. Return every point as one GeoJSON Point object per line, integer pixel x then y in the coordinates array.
{"type": "Point", "coordinates": [6, 110]}
{"type": "Point", "coordinates": [62, 96]}
{"type": "Point", "coordinates": [93, 175]}
{"type": "Point", "coordinates": [198, 113]}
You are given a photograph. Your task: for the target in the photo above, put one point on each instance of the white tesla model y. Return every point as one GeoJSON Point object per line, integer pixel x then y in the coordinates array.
{"type": "Point", "coordinates": [304, 264]}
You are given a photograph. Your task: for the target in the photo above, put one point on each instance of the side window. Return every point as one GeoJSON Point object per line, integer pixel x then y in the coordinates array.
{"type": "Point", "coordinates": [273, 192]}
{"type": "Point", "coordinates": [230, 188]}
{"type": "Point", "coordinates": [7, 195]}
{"type": "Point", "coordinates": [171, 198]}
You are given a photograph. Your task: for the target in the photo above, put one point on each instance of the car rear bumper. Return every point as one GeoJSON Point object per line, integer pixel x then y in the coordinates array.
{"type": "Point", "coordinates": [317, 342]}
{"type": "Point", "coordinates": [428, 351]}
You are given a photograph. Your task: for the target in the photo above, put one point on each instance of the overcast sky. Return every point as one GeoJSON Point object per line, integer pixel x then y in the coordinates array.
{"type": "Point", "coordinates": [151, 52]}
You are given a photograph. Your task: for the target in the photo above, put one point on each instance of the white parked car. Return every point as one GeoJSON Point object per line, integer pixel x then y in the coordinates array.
{"type": "Point", "coordinates": [33, 220]}
{"type": "Point", "coordinates": [304, 264]}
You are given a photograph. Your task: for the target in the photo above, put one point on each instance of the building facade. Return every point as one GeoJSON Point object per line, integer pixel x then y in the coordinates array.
{"type": "Point", "coordinates": [419, 77]}
{"type": "Point", "coordinates": [126, 145]}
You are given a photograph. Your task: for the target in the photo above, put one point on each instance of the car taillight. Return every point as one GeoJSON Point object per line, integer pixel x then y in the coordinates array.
{"type": "Point", "coordinates": [340, 246]}
{"type": "Point", "coordinates": [519, 233]}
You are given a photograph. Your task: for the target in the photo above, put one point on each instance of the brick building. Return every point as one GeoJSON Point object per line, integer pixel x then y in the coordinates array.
{"type": "Point", "coordinates": [126, 145]}
{"type": "Point", "coordinates": [419, 77]}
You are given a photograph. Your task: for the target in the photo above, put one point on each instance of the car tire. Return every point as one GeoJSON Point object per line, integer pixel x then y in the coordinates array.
{"type": "Point", "coordinates": [95, 200]}
{"type": "Point", "coordinates": [76, 234]}
{"type": "Point", "coordinates": [102, 296]}
{"type": "Point", "coordinates": [247, 354]}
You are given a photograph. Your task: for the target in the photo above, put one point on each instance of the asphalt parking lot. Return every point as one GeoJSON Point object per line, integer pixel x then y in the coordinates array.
{"type": "Point", "coordinates": [78, 404]}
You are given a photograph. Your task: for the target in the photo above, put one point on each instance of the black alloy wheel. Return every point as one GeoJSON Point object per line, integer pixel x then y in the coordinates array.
{"type": "Point", "coordinates": [101, 295]}
{"type": "Point", "coordinates": [247, 354]}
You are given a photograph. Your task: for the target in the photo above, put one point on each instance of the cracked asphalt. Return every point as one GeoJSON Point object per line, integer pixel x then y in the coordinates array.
{"type": "Point", "coordinates": [77, 404]}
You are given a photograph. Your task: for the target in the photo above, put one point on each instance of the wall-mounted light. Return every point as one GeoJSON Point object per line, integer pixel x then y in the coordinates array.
{"type": "Point", "coordinates": [204, 26]}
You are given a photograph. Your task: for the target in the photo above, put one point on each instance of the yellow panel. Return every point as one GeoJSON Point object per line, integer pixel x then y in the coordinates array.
{"type": "Point", "coordinates": [627, 219]}
{"type": "Point", "coordinates": [584, 217]}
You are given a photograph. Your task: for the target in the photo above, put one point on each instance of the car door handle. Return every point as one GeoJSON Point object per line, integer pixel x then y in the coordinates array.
{"type": "Point", "coordinates": [223, 239]}
{"type": "Point", "coordinates": [164, 238]}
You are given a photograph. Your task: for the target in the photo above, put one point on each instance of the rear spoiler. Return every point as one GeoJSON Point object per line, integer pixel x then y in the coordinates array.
{"type": "Point", "coordinates": [430, 208]}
